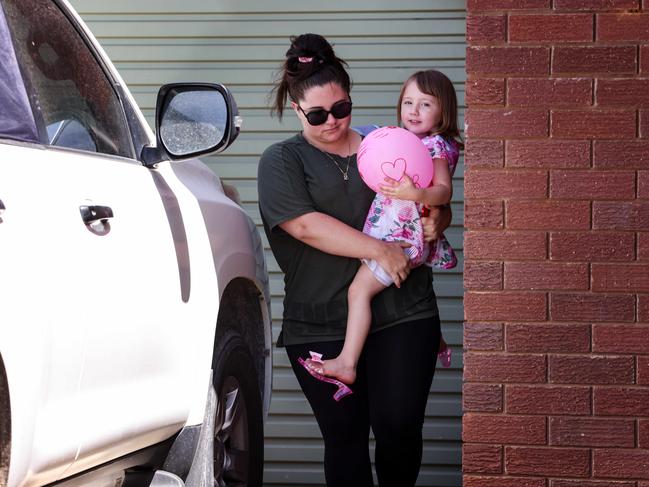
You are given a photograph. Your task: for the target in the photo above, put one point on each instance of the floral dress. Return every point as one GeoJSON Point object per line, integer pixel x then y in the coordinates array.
{"type": "Point", "coordinates": [399, 220]}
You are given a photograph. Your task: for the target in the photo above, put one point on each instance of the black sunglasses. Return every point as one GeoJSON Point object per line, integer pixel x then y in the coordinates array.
{"type": "Point", "coordinates": [319, 116]}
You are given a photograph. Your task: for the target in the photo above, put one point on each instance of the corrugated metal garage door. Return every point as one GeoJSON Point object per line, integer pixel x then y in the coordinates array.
{"type": "Point", "coordinates": [240, 43]}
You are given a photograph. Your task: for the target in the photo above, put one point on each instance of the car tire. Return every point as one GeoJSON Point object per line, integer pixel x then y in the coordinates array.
{"type": "Point", "coordinates": [238, 432]}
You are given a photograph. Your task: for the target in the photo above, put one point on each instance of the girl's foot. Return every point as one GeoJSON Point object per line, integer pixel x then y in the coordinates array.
{"type": "Point", "coordinates": [335, 368]}
{"type": "Point", "coordinates": [315, 362]}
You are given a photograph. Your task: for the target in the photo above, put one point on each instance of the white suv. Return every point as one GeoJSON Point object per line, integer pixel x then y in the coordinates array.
{"type": "Point", "coordinates": [134, 303]}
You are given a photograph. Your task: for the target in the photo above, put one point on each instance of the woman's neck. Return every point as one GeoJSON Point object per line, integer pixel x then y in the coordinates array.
{"type": "Point", "coordinates": [343, 147]}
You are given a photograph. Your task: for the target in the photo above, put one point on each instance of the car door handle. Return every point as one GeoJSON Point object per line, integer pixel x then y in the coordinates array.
{"type": "Point", "coordinates": [94, 213]}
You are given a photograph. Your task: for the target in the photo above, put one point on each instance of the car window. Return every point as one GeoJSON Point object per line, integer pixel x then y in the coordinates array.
{"type": "Point", "coordinates": [72, 100]}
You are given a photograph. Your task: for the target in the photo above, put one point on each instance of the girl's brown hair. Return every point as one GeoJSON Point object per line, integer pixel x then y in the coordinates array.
{"type": "Point", "coordinates": [310, 61]}
{"type": "Point", "coordinates": [437, 84]}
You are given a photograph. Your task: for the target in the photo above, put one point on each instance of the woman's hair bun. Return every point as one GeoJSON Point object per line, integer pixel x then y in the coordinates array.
{"type": "Point", "coordinates": [310, 49]}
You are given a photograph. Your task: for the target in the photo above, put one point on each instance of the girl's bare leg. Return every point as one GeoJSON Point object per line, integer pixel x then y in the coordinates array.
{"type": "Point", "coordinates": [359, 297]}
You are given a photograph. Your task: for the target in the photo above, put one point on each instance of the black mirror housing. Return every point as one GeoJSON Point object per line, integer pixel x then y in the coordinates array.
{"type": "Point", "coordinates": [192, 119]}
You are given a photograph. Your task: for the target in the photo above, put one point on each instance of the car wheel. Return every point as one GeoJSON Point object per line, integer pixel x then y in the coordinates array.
{"type": "Point", "coordinates": [238, 431]}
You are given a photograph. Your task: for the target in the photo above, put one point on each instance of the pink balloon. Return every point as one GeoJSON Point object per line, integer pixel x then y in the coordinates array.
{"type": "Point", "coordinates": [392, 152]}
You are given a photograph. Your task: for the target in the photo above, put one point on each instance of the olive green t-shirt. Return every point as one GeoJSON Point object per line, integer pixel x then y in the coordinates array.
{"type": "Point", "coordinates": [296, 178]}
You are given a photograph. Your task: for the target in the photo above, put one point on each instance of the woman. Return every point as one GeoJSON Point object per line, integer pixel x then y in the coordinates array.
{"type": "Point", "coordinates": [313, 206]}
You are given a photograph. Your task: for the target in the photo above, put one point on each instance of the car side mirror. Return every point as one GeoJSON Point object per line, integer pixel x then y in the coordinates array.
{"type": "Point", "coordinates": [192, 119]}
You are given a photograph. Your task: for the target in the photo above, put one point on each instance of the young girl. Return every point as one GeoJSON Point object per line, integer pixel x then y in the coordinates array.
{"type": "Point", "coordinates": [428, 108]}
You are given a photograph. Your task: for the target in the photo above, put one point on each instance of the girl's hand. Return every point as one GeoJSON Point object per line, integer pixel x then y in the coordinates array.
{"type": "Point", "coordinates": [436, 222]}
{"type": "Point", "coordinates": [394, 261]}
{"type": "Point", "coordinates": [402, 190]}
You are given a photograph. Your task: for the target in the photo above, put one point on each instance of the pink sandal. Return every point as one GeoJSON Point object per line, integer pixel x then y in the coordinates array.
{"type": "Point", "coordinates": [445, 357]}
{"type": "Point", "coordinates": [343, 389]}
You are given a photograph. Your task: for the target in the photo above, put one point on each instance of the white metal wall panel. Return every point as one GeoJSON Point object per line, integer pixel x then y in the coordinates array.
{"type": "Point", "coordinates": [241, 43]}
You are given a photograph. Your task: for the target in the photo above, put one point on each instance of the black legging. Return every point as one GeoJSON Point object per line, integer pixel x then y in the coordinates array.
{"type": "Point", "coordinates": [394, 376]}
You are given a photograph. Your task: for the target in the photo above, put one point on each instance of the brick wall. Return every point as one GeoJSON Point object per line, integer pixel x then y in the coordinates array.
{"type": "Point", "coordinates": [556, 245]}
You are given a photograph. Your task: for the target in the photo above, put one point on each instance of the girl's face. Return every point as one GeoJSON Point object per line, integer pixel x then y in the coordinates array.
{"type": "Point", "coordinates": [324, 97]}
{"type": "Point", "coordinates": [421, 114]}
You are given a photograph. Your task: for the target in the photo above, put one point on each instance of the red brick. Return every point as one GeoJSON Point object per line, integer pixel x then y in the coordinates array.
{"type": "Point", "coordinates": [549, 92]}
{"type": "Point", "coordinates": [643, 308]}
{"type": "Point", "coordinates": [548, 153]}
{"type": "Point", "coordinates": [592, 246]}
{"type": "Point", "coordinates": [531, 61]}
{"type": "Point", "coordinates": [505, 183]}
{"type": "Point", "coordinates": [632, 154]}
{"type": "Point", "coordinates": [644, 56]}
{"type": "Point", "coordinates": [592, 184]}
{"type": "Point", "coordinates": [644, 120]}
{"type": "Point", "coordinates": [547, 215]}
{"type": "Point", "coordinates": [643, 433]}
{"type": "Point", "coordinates": [620, 277]}
{"type": "Point", "coordinates": [485, 91]}
{"type": "Point", "coordinates": [548, 338]}
{"type": "Point", "coordinates": [590, 483]}
{"type": "Point", "coordinates": [609, 215]}
{"type": "Point", "coordinates": [604, 5]}
{"type": "Point", "coordinates": [546, 400]}
{"type": "Point", "coordinates": [483, 336]}
{"type": "Point", "coordinates": [476, 5]}
{"type": "Point", "coordinates": [483, 276]}
{"type": "Point", "coordinates": [501, 367]}
{"type": "Point", "coordinates": [621, 401]}
{"type": "Point", "coordinates": [643, 184]}
{"type": "Point", "coordinates": [497, 306]}
{"type": "Point", "coordinates": [474, 481]}
{"type": "Point", "coordinates": [599, 59]}
{"type": "Point", "coordinates": [486, 29]}
{"type": "Point", "coordinates": [642, 372]}
{"type": "Point", "coordinates": [584, 369]}
{"type": "Point", "coordinates": [585, 307]}
{"type": "Point", "coordinates": [482, 458]}
{"type": "Point", "coordinates": [592, 432]}
{"type": "Point", "coordinates": [593, 124]}
{"type": "Point", "coordinates": [621, 338]}
{"type": "Point", "coordinates": [483, 214]}
{"type": "Point", "coordinates": [505, 245]}
{"type": "Point", "coordinates": [624, 92]}
{"type": "Point", "coordinates": [489, 428]}
{"type": "Point", "coordinates": [621, 463]}
{"type": "Point", "coordinates": [540, 275]}
{"type": "Point", "coordinates": [482, 397]}
{"type": "Point", "coordinates": [552, 28]}
{"type": "Point", "coordinates": [564, 462]}
{"type": "Point", "coordinates": [506, 123]}
{"type": "Point", "coordinates": [623, 27]}
{"type": "Point", "coordinates": [483, 153]}
{"type": "Point", "coordinates": [643, 246]}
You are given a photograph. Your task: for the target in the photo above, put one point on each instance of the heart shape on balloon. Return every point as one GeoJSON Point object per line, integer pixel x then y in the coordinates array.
{"type": "Point", "coordinates": [394, 170]}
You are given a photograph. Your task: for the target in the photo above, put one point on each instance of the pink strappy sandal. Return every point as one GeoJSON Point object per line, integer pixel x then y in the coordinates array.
{"type": "Point", "coordinates": [343, 389]}
{"type": "Point", "coordinates": [445, 357]}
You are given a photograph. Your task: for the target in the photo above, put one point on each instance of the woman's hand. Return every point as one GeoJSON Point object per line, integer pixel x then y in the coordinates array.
{"type": "Point", "coordinates": [394, 261]}
{"type": "Point", "coordinates": [436, 222]}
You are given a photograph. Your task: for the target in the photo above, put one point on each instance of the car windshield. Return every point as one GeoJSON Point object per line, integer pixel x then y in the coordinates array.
{"type": "Point", "coordinates": [16, 119]}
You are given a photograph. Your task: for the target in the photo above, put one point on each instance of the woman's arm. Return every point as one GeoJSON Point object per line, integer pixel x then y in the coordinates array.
{"type": "Point", "coordinates": [438, 220]}
{"type": "Point", "coordinates": [330, 235]}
